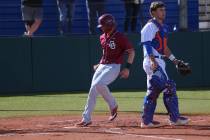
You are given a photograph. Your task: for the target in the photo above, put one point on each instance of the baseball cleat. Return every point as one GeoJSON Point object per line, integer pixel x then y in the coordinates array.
{"type": "Point", "coordinates": [113, 114]}
{"type": "Point", "coordinates": [153, 124]}
{"type": "Point", "coordinates": [83, 124]}
{"type": "Point", "coordinates": [180, 121]}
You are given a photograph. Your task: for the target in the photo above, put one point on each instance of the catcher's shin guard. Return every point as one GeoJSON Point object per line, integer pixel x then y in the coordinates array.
{"type": "Point", "coordinates": [148, 110]}
{"type": "Point", "coordinates": [171, 101]}
{"type": "Point", "coordinates": [156, 84]}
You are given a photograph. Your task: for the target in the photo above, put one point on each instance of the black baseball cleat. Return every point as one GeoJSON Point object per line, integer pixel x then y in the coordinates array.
{"type": "Point", "coordinates": [113, 114]}
{"type": "Point", "coordinates": [83, 124]}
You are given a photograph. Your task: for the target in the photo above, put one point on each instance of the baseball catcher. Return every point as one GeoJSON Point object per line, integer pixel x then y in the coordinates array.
{"type": "Point", "coordinates": [154, 42]}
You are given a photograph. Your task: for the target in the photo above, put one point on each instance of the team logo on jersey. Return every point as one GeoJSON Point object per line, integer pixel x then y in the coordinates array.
{"type": "Point", "coordinates": [112, 45]}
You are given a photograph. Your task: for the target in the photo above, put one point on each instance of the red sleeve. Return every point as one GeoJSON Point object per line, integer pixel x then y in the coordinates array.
{"type": "Point", "coordinates": [125, 43]}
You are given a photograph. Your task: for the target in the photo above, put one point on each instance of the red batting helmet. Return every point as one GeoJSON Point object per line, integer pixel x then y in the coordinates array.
{"type": "Point", "coordinates": [106, 20]}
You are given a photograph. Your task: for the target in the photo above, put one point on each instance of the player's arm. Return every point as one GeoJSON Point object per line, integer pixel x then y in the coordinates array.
{"type": "Point", "coordinates": [147, 45]}
{"type": "Point", "coordinates": [95, 66]}
{"type": "Point", "coordinates": [131, 55]}
{"type": "Point", "coordinates": [126, 71]}
{"type": "Point", "coordinates": [182, 67]}
{"type": "Point", "coordinates": [147, 35]}
{"type": "Point", "coordinates": [170, 56]}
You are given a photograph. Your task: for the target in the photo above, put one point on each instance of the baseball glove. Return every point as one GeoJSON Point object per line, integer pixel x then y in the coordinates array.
{"type": "Point", "coordinates": [183, 68]}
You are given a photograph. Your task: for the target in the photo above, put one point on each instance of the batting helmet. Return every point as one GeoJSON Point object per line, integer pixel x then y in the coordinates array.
{"type": "Point", "coordinates": [106, 20]}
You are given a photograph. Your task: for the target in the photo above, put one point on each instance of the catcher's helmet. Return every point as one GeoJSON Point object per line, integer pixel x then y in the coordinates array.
{"type": "Point", "coordinates": [106, 20]}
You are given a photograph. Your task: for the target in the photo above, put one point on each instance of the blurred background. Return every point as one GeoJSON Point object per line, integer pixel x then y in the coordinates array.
{"type": "Point", "coordinates": [182, 15]}
{"type": "Point", "coordinates": [59, 56]}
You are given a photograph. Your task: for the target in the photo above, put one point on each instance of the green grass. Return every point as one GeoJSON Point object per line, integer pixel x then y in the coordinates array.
{"type": "Point", "coordinates": [191, 102]}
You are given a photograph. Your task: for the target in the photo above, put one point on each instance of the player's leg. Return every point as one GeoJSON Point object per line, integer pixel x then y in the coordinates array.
{"type": "Point", "coordinates": [128, 15]}
{"type": "Point", "coordinates": [156, 81]}
{"type": "Point", "coordinates": [70, 13]}
{"type": "Point", "coordinates": [91, 100]}
{"type": "Point", "coordinates": [171, 100]}
{"type": "Point", "coordinates": [92, 15]}
{"type": "Point", "coordinates": [135, 12]}
{"type": "Point", "coordinates": [102, 77]}
{"type": "Point", "coordinates": [90, 105]}
{"type": "Point", "coordinates": [155, 84]}
{"type": "Point", "coordinates": [149, 104]}
{"type": "Point", "coordinates": [62, 9]}
{"type": "Point", "coordinates": [28, 25]}
{"type": "Point", "coordinates": [171, 103]}
{"type": "Point", "coordinates": [27, 13]}
{"type": "Point", "coordinates": [37, 16]}
{"type": "Point", "coordinates": [109, 74]}
{"type": "Point", "coordinates": [100, 6]}
{"type": "Point", "coordinates": [106, 94]}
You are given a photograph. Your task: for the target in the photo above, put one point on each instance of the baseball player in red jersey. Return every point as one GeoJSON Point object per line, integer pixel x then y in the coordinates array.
{"type": "Point", "coordinates": [114, 45]}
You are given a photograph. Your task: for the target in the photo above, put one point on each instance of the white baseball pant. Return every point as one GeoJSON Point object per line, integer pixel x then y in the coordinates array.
{"type": "Point", "coordinates": [103, 76]}
{"type": "Point", "coordinates": [149, 71]}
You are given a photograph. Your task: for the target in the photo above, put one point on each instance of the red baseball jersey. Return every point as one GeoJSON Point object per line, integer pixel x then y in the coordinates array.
{"type": "Point", "coordinates": [114, 47]}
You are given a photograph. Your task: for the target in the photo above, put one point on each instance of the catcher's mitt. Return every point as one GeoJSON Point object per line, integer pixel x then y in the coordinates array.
{"type": "Point", "coordinates": [183, 68]}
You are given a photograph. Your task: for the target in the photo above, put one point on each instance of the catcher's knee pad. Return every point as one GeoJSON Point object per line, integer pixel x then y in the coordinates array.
{"type": "Point", "coordinates": [155, 87]}
{"type": "Point", "coordinates": [157, 83]}
{"type": "Point", "coordinates": [29, 22]}
{"type": "Point", "coordinates": [170, 87]}
{"type": "Point", "coordinates": [148, 110]}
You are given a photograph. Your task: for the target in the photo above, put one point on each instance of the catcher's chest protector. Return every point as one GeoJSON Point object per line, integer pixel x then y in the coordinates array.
{"type": "Point", "coordinates": [160, 40]}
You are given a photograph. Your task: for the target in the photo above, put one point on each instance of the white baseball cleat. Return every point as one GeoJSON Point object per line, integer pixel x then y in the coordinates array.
{"type": "Point", "coordinates": [153, 124]}
{"type": "Point", "coordinates": [180, 121]}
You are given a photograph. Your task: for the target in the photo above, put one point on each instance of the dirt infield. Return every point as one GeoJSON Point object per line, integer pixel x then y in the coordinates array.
{"type": "Point", "coordinates": [125, 127]}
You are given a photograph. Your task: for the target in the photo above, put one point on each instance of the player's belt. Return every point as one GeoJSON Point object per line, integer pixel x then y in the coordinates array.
{"type": "Point", "coordinates": [160, 56]}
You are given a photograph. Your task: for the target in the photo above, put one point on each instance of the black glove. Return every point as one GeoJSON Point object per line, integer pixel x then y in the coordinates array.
{"type": "Point", "coordinates": [183, 68]}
